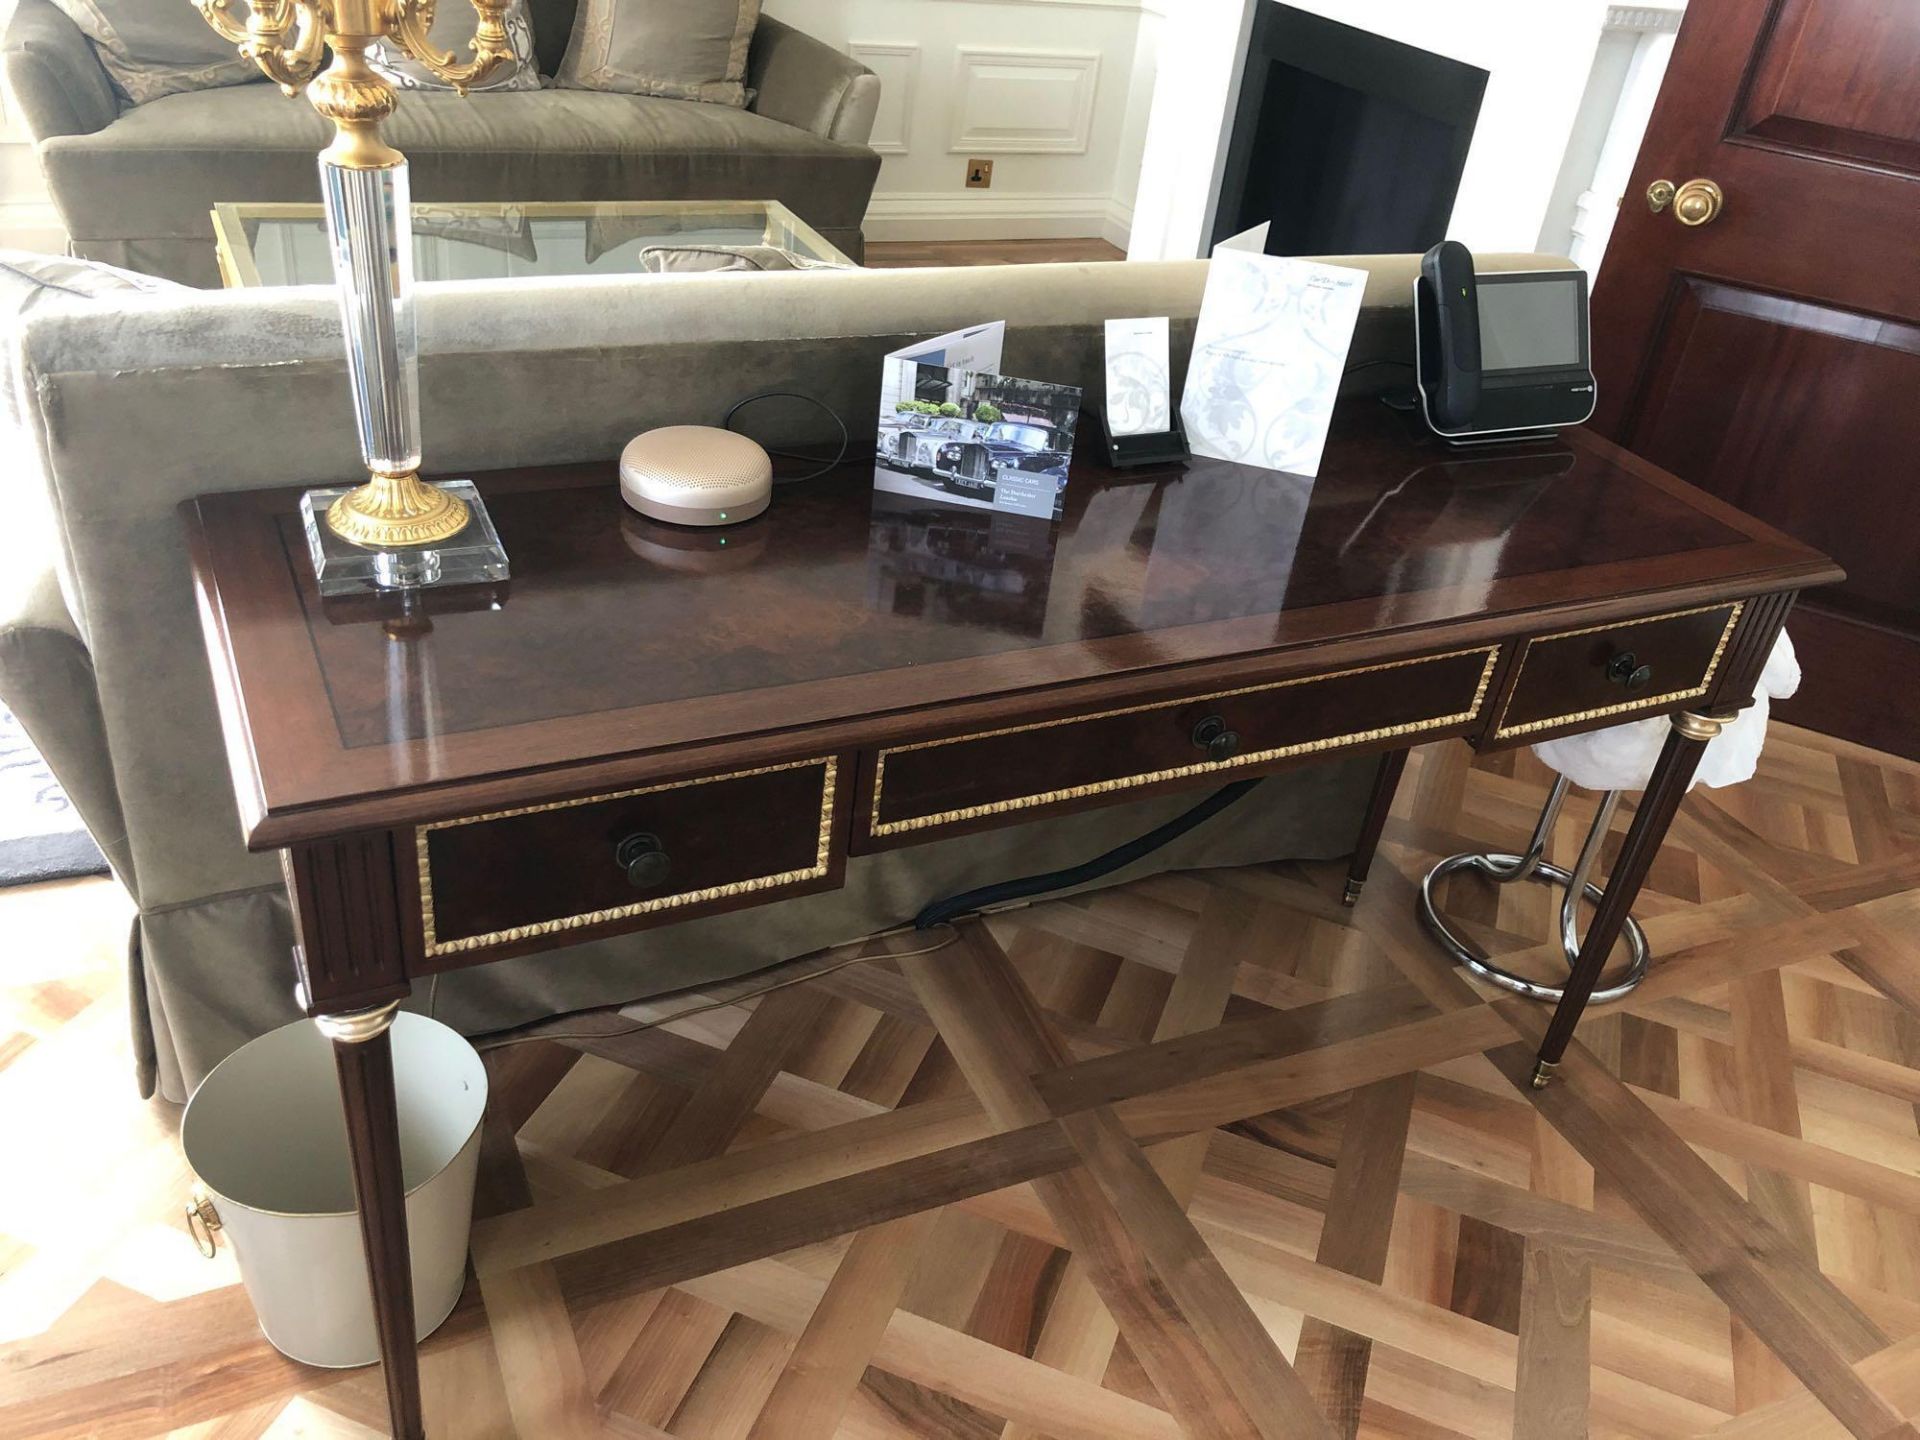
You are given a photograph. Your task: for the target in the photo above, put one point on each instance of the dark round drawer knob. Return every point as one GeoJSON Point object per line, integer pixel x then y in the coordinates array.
{"type": "Point", "coordinates": [645, 861]}
{"type": "Point", "coordinates": [1213, 736]}
{"type": "Point", "coordinates": [1627, 670]}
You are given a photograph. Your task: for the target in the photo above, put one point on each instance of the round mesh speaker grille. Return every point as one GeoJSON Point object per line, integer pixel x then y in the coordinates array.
{"type": "Point", "coordinates": [695, 458]}
{"type": "Point", "coordinates": [694, 475]}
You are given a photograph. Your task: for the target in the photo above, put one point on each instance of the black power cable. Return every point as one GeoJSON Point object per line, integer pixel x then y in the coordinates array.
{"type": "Point", "coordinates": [826, 465]}
{"type": "Point", "coordinates": [972, 901]}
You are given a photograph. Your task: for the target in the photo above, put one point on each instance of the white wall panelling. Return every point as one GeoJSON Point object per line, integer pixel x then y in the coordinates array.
{"type": "Point", "coordinates": [1055, 92]}
{"type": "Point", "coordinates": [1024, 102]}
{"type": "Point", "coordinates": [898, 67]}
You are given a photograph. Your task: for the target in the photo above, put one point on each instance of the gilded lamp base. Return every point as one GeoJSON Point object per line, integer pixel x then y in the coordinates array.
{"type": "Point", "coordinates": [441, 535]}
{"type": "Point", "coordinates": [394, 512]}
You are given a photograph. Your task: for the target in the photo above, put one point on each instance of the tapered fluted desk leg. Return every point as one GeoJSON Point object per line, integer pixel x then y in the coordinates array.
{"type": "Point", "coordinates": [1386, 784]}
{"type": "Point", "coordinates": [1658, 805]}
{"type": "Point", "coordinates": [363, 1055]}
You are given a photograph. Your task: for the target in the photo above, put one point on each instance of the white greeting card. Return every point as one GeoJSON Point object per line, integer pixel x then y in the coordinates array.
{"type": "Point", "coordinates": [1139, 376]}
{"type": "Point", "coordinates": [1268, 356]}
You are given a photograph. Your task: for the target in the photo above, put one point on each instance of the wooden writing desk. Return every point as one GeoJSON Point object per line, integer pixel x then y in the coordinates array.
{"type": "Point", "coordinates": [648, 725]}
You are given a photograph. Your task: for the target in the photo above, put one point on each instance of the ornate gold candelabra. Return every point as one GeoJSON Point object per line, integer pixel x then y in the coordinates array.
{"type": "Point", "coordinates": [363, 183]}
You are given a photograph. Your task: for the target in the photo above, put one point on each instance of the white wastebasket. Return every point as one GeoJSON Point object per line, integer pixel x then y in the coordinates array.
{"type": "Point", "coordinates": [266, 1136]}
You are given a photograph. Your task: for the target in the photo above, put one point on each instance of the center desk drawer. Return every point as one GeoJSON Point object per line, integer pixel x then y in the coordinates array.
{"type": "Point", "coordinates": [695, 846]}
{"type": "Point", "coordinates": [1582, 676]}
{"type": "Point", "coordinates": [955, 782]}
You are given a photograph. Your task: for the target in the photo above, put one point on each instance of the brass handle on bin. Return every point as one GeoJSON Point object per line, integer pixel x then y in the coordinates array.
{"type": "Point", "coordinates": [203, 1221]}
{"type": "Point", "coordinates": [645, 860]}
{"type": "Point", "coordinates": [1213, 736]}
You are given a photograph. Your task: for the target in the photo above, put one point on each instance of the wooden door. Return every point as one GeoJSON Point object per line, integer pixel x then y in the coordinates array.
{"type": "Point", "coordinates": [1772, 354]}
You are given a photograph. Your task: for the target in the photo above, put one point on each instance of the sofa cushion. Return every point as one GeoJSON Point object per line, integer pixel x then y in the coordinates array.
{"type": "Point", "coordinates": [679, 49]}
{"type": "Point", "coordinates": [453, 29]}
{"type": "Point", "coordinates": [150, 49]}
{"type": "Point", "coordinates": [158, 169]}
{"type": "Point", "coordinates": [709, 259]}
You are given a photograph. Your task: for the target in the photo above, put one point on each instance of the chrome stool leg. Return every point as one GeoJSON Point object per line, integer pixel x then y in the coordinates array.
{"type": "Point", "coordinates": [1505, 869]}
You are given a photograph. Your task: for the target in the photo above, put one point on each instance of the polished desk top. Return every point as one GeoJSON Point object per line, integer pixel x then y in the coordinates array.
{"type": "Point", "coordinates": [842, 611]}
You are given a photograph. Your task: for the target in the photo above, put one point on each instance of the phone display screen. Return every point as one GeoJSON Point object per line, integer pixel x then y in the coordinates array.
{"type": "Point", "coordinates": [1532, 323]}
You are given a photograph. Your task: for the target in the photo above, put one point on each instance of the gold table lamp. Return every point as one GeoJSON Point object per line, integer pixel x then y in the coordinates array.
{"type": "Point", "coordinates": [363, 183]}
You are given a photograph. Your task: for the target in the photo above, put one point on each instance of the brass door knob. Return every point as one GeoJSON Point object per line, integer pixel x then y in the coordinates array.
{"type": "Point", "coordinates": [1698, 202]}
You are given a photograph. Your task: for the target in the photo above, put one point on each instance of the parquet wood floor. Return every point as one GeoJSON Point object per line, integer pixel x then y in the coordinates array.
{"type": "Point", "coordinates": [1206, 1155]}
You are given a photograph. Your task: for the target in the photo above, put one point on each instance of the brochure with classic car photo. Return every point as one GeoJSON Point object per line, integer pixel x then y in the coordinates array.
{"type": "Point", "coordinates": [956, 431]}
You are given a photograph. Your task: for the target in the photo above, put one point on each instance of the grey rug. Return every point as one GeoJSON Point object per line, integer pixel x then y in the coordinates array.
{"type": "Point", "coordinates": [41, 838]}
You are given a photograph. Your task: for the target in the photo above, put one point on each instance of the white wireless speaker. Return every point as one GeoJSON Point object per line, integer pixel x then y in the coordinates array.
{"type": "Point", "coordinates": [695, 475]}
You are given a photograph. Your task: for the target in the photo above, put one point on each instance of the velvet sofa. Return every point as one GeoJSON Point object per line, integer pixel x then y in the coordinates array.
{"type": "Point", "coordinates": [130, 405]}
{"type": "Point", "coordinates": [135, 185]}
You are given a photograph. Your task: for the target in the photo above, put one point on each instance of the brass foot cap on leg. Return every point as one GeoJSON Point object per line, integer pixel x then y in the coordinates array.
{"type": "Point", "coordinates": [359, 1026]}
{"type": "Point", "coordinates": [1352, 897]}
{"type": "Point", "coordinates": [1543, 1073]}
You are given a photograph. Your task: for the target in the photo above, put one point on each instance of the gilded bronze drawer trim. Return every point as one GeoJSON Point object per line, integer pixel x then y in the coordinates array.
{"type": "Point", "coordinates": [822, 861]}
{"type": "Point", "coordinates": [877, 827]}
{"type": "Point", "coordinates": [1530, 727]}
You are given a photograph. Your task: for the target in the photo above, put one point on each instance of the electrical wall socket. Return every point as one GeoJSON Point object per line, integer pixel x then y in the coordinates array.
{"type": "Point", "coordinates": [979, 174]}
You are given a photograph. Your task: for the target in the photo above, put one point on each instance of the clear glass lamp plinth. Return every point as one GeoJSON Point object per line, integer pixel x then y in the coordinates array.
{"type": "Point", "coordinates": [473, 556]}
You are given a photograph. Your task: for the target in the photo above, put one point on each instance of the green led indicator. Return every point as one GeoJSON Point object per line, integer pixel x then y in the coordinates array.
{"type": "Point", "coordinates": [723, 514]}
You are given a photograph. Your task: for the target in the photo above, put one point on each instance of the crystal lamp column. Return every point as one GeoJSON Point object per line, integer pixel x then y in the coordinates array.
{"type": "Point", "coordinates": [370, 235]}
{"type": "Point", "coordinates": [394, 531]}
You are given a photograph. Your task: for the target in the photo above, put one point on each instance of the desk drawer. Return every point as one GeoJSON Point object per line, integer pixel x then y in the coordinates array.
{"type": "Point", "coordinates": [498, 880]}
{"type": "Point", "coordinates": [953, 783]}
{"type": "Point", "coordinates": [1583, 675]}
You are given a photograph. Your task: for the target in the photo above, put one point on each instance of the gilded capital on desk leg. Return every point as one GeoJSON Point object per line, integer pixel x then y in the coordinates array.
{"type": "Point", "coordinates": [1659, 803]}
{"type": "Point", "coordinates": [363, 1058]}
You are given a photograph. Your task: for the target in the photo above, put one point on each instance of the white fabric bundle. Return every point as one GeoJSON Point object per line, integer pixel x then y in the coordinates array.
{"type": "Point", "coordinates": [1623, 757]}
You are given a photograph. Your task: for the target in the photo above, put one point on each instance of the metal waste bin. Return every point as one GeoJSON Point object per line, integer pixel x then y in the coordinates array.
{"type": "Point", "coordinates": [266, 1136]}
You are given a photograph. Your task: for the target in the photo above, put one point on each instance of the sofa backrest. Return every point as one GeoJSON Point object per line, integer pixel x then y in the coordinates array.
{"type": "Point", "coordinates": [140, 405]}
{"type": "Point", "coordinates": [552, 25]}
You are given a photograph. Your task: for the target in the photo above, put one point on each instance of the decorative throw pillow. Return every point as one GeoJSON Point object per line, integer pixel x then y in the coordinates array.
{"type": "Point", "coordinates": [679, 49]}
{"type": "Point", "coordinates": [454, 22]}
{"type": "Point", "coordinates": [706, 259]}
{"type": "Point", "coordinates": [151, 48]}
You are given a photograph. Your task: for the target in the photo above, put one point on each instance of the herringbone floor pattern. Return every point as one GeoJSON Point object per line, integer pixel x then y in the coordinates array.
{"type": "Point", "coordinates": [1336, 1213]}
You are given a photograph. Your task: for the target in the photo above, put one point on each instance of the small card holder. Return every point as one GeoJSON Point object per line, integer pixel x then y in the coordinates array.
{"type": "Point", "coordinates": [1133, 452]}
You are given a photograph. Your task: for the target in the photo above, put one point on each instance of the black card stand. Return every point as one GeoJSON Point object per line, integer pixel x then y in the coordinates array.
{"type": "Point", "coordinates": [1133, 452]}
